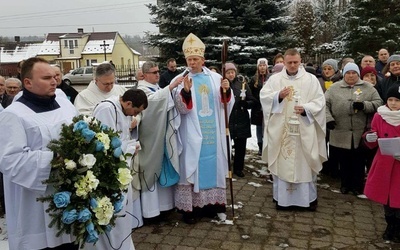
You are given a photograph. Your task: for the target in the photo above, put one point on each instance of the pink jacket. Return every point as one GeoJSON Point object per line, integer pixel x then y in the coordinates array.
{"type": "Point", "coordinates": [383, 182]}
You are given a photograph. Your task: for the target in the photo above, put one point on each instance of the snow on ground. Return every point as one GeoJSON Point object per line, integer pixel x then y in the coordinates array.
{"type": "Point", "coordinates": [3, 242]}
{"type": "Point", "coordinates": [252, 142]}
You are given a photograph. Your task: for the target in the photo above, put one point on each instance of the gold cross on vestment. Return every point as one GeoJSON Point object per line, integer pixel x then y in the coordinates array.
{"type": "Point", "coordinates": [191, 40]}
{"type": "Point", "coordinates": [291, 188]}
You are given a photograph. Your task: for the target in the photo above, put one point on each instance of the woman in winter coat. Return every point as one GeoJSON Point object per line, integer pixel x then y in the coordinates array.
{"type": "Point", "coordinates": [383, 182]}
{"type": "Point", "coordinates": [330, 74]}
{"type": "Point", "coordinates": [239, 120]}
{"type": "Point", "coordinates": [392, 72]}
{"type": "Point", "coordinates": [348, 103]}
{"type": "Point", "coordinates": [256, 84]}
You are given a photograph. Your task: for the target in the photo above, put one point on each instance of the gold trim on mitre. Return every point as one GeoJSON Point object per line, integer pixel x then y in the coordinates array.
{"type": "Point", "coordinates": [193, 46]}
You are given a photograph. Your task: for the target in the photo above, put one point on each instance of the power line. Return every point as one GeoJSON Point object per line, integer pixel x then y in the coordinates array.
{"type": "Point", "coordinates": [63, 12]}
{"type": "Point", "coordinates": [70, 25]}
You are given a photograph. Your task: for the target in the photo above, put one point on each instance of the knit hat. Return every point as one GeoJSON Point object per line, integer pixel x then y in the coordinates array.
{"type": "Point", "coordinates": [393, 58]}
{"type": "Point", "coordinates": [368, 69]}
{"type": "Point", "coordinates": [394, 91]}
{"type": "Point", "coordinates": [277, 68]}
{"type": "Point", "coordinates": [331, 62]}
{"type": "Point", "coordinates": [351, 66]}
{"type": "Point", "coordinates": [229, 66]}
{"type": "Point", "coordinates": [262, 61]}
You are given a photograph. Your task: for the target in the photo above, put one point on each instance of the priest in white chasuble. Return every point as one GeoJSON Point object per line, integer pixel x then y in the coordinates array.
{"type": "Point", "coordinates": [293, 104]}
{"type": "Point", "coordinates": [28, 125]}
{"type": "Point", "coordinates": [201, 190]}
{"type": "Point", "coordinates": [158, 137]}
{"type": "Point", "coordinates": [101, 88]}
{"type": "Point", "coordinates": [116, 112]}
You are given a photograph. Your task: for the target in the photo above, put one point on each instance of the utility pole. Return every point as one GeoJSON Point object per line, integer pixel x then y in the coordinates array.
{"type": "Point", "coordinates": [105, 49]}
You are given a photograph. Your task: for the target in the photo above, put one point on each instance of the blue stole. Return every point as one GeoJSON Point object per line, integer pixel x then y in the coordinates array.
{"type": "Point", "coordinates": [206, 115]}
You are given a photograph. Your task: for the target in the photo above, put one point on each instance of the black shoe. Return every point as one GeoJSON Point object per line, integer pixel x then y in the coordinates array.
{"type": "Point", "coordinates": [389, 232]}
{"type": "Point", "coordinates": [152, 221]}
{"type": "Point", "coordinates": [396, 231]}
{"type": "Point", "coordinates": [239, 173]}
{"type": "Point", "coordinates": [390, 228]}
{"type": "Point", "coordinates": [282, 208]}
{"type": "Point", "coordinates": [357, 192]}
{"type": "Point", "coordinates": [344, 190]}
{"type": "Point", "coordinates": [260, 148]}
{"type": "Point", "coordinates": [188, 218]}
{"type": "Point", "coordinates": [313, 206]}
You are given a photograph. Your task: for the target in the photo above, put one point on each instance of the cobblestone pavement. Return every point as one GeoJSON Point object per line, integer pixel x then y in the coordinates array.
{"type": "Point", "coordinates": [340, 222]}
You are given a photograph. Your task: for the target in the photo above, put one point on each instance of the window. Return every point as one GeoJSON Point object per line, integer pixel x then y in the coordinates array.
{"type": "Point", "coordinates": [65, 43]}
{"type": "Point", "coordinates": [71, 46]}
{"type": "Point", "coordinates": [76, 43]}
{"type": "Point", "coordinates": [89, 62]}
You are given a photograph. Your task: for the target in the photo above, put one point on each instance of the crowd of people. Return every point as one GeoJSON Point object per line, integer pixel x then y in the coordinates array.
{"type": "Point", "coordinates": [180, 128]}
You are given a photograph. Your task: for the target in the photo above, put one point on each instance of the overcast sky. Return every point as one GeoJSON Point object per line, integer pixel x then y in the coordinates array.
{"type": "Point", "coordinates": [39, 17]}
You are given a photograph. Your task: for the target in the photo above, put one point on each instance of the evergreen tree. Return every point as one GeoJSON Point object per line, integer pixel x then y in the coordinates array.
{"type": "Point", "coordinates": [372, 24]}
{"type": "Point", "coordinates": [253, 28]}
{"type": "Point", "coordinates": [302, 31]}
{"type": "Point", "coordinates": [326, 24]}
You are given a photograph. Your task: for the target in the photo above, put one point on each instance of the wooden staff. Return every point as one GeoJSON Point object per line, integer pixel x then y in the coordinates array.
{"type": "Point", "coordinates": [224, 56]}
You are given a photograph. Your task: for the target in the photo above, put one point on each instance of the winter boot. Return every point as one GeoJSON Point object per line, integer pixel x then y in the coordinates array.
{"type": "Point", "coordinates": [390, 228]}
{"type": "Point", "coordinates": [259, 148]}
{"type": "Point", "coordinates": [396, 234]}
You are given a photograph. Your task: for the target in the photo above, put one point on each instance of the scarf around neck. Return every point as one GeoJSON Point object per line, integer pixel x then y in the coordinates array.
{"type": "Point", "coordinates": [391, 117]}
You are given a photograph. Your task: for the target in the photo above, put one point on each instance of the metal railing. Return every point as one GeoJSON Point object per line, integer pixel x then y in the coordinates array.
{"type": "Point", "coordinates": [126, 75]}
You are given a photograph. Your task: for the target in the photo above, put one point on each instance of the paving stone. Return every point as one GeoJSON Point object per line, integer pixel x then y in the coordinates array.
{"type": "Point", "coordinates": [340, 222]}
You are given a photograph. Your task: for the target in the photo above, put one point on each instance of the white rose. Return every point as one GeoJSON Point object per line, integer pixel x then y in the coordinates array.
{"type": "Point", "coordinates": [69, 164]}
{"type": "Point", "coordinates": [87, 160]}
{"type": "Point", "coordinates": [124, 177]}
{"type": "Point", "coordinates": [92, 181]}
{"type": "Point", "coordinates": [104, 211]}
{"type": "Point", "coordinates": [90, 120]}
{"type": "Point", "coordinates": [87, 119]}
{"type": "Point", "coordinates": [81, 188]}
{"type": "Point", "coordinates": [103, 137]}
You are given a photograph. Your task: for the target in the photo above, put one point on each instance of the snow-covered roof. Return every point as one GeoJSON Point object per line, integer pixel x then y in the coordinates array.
{"type": "Point", "coordinates": [135, 52]}
{"type": "Point", "coordinates": [93, 46]}
{"type": "Point", "coordinates": [19, 53]}
{"type": "Point", "coordinates": [50, 47]}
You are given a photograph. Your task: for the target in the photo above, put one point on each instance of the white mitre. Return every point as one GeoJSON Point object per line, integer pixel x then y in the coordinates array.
{"type": "Point", "coordinates": [193, 46]}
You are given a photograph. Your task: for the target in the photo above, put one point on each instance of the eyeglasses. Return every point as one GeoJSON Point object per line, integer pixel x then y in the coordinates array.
{"type": "Point", "coordinates": [153, 72]}
{"type": "Point", "coordinates": [13, 87]}
{"type": "Point", "coordinates": [106, 84]}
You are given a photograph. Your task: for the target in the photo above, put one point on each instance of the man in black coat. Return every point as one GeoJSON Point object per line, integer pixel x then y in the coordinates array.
{"type": "Point", "coordinates": [5, 99]}
{"type": "Point", "coordinates": [69, 91]}
{"type": "Point", "coordinates": [169, 74]}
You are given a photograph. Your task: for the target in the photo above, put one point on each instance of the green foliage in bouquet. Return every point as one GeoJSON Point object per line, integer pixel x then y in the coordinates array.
{"type": "Point", "coordinates": [89, 174]}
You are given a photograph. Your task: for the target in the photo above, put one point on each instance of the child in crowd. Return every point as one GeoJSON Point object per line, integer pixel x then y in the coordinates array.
{"type": "Point", "coordinates": [383, 182]}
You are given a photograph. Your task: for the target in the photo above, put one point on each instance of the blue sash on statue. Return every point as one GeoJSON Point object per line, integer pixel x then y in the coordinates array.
{"type": "Point", "coordinates": [206, 115]}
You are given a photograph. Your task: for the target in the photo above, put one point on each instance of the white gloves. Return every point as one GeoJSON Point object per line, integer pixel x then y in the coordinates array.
{"type": "Point", "coordinates": [371, 137]}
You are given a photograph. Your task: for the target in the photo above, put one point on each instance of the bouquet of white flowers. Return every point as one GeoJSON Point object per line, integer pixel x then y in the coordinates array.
{"type": "Point", "coordinates": [89, 174]}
